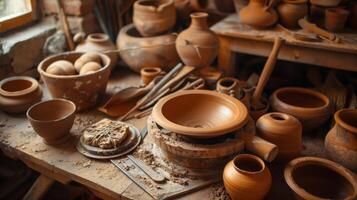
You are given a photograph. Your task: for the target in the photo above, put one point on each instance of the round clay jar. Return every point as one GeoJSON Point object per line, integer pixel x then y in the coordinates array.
{"type": "Point", "coordinates": [258, 14]}
{"type": "Point", "coordinates": [149, 73]}
{"type": "Point", "coordinates": [247, 177]}
{"type": "Point", "coordinates": [341, 140]}
{"type": "Point", "coordinates": [283, 130]}
{"type": "Point", "coordinates": [61, 68]}
{"type": "Point", "coordinates": [290, 11]}
{"type": "Point", "coordinates": [18, 93]}
{"type": "Point", "coordinates": [335, 19]}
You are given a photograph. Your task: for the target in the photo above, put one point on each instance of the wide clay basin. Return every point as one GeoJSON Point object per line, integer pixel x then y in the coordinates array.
{"type": "Point", "coordinates": [200, 113]}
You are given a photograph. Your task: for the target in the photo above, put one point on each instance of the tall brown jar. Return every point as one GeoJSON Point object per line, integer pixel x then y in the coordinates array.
{"type": "Point", "coordinates": [341, 140]}
{"type": "Point", "coordinates": [197, 46]}
{"type": "Point", "coordinates": [290, 11]}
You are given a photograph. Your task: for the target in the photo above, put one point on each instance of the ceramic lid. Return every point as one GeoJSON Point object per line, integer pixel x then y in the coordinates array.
{"type": "Point", "coordinates": [200, 113]}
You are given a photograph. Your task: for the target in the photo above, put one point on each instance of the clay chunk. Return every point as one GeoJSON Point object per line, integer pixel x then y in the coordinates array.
{"type": "Point", "coordinates": [106, 134]}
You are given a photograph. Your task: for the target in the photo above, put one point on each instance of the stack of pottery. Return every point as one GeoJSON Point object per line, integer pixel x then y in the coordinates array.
{"type": "Point", "coordinates": [258, 13]}
{"type": "Point", "coordinates": [148, 42]}
{"type": "Point", "coordinates": [290, 11]}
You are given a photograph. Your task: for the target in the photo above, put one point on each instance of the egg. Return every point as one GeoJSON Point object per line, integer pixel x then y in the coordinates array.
{"type": "Point", "coordinates": [85, 58]}
{"type": "Point", "coordinates": [61, 67]}
{"type": "Point", "coordinates": [90, 67]}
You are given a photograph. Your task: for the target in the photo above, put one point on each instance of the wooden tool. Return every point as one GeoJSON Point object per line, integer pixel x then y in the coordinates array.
{"type": "Point", "coordinates": [155, 176]}
{"type": "Point", "coordinates": [319, 31]}
{"type": "Point", "coordinates": [65, 26]}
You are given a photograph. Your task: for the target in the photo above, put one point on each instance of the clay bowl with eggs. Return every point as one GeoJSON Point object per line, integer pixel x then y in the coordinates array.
{"type": "Point", "coordinates": [200, 113]}
{"type": "Point", "coordinates": [83, 89]}
{"type": "Point", "coordinates": [52, 119]}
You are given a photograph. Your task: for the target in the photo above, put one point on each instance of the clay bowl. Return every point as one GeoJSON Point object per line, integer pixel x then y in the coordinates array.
{"type": "Point", "coordinates": [310, 107]}
{"type": "Point", "coordinates": [18, 93]}
{"type": "Point", "coordinates": [85, 89]}
{"type": "Point", "coordinates": [52, 119]}
{"type": "Point", "coordinates": [138, 52]}
{"type": "Point", "coordinates": [200, 113]}
{"type": "Point", "coordinates": [317, 179]}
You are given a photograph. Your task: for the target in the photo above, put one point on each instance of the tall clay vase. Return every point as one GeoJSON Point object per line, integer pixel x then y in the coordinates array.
{"type": "Point", "coordinates": [258, 14]}
{"type": "Point", "coordinates": [197, 46]}
{"type": "Point", "coordinates": [290, 11]}
{"type": "Point", "coordinates": [247, 177]}
{"type": "Point", "coordinates": [341, 140]}
{"type": "Point", "coordinates": [99, 42]}
{"type": "Point", "coordinates": [283, 130]}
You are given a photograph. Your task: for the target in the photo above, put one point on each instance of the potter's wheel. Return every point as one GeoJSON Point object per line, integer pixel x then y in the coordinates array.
{"type": "Point", "coordinates": [130, 143]}
{"type": "Point", "coordinates": [198, 153]}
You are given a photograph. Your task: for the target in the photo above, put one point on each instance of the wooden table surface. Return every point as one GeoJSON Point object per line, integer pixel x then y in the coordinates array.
{"type": "Point", "coordinates": [63, 163]}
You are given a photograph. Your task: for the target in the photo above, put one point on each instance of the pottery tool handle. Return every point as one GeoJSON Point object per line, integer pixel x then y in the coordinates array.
{"type": "Point", "coordinates": [319, 31]}
{"type": "Point", "coordinates": [267, 70]}
{"type": "Point", "coordinates": [65, 25]}
{"type": "Point", "coordinates": [264, 149]}
{"type": "Point", "coordinates": [155, 176]}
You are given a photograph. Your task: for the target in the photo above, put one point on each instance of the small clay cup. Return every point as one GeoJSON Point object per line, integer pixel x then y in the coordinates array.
{"type": "Point", "coordinates": [18, 93]}
{"type": "Point", "coordinates": [317, 179]}
{"type": "Point", "coordinates": [310, 107]}
{"type": "Point", "coordinates": [52, 119]}
{"type": "Point", "coordinates": [232, 87]}
{"type": "Point", "coordinates": [335, 19]}
{"type": "Point", "coordinates": [149, 73]}
{"type": "Point", "coordinates": [247, 177]}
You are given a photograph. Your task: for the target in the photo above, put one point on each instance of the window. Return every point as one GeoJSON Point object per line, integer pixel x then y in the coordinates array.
{"type": "Point", "coordinates": [15, 13]}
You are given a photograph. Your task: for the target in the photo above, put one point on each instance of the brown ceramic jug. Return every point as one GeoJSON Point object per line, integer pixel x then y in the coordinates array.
{"type": "Point", "coordinates": [290, 11]}
{"type": "Point", "coordinates": [341, 140]}
{"type": "Point", "coordinates": [247, 177]}
{"type": "Point", "coordinates": [259, 13]}
{"type": "Point", "coordinates": [283, 130]}
{"type": "Point", "coordinates": [197, 46]}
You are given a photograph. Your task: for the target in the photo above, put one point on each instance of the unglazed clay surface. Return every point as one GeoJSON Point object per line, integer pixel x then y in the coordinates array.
{"type": "Point", "coordinates": [258, 14]}
{"type": "Point", "coordinates": [290, 11]}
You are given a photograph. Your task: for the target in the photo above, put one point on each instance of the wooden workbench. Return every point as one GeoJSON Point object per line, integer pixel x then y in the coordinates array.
{"type": "Point", "coordinates": [64, 164]}
{"type": "Point", "coordinates": [237, 37]}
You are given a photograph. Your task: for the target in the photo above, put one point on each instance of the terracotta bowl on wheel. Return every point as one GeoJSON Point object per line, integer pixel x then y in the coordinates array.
{"type": "Point", "coordinates": [200, 113]}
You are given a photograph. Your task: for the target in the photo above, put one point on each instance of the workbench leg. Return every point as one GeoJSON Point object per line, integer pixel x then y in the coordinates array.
{"type": "Point", "coordinates": [226, 57]}
{"type": "Point", "coordinates": [39, 188]}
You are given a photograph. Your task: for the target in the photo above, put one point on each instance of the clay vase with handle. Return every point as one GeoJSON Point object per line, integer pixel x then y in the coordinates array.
{"type": "Point", "coordinates": [290, 11]}
{"type": "Point", "coordinates": [197, 46]}
{"type": "Point", "coordinates": [258, 13]}
{"type": "Point", "coordinates": [341, 140]}
{"type": "Point", "coordinates": [258, 105]}
{"type": "Point", "coordinates": [247, 177]}
{"type": "Point", "coordinates": [283, 130]}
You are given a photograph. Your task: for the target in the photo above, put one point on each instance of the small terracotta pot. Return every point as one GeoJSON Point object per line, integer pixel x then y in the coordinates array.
{"type": "Point", "coordinates": [325, 3]}
{"type": "Point", "coordinates": [52, 119]}
{"type": "Point", "coordinates": [231, 86]}
{"type": "Point", "coordinates": [138, 52]}
{"type": "Point", "coordinates": [153, 18]}
{"type": "Point", "coordinates": [310, 107]}
{"type": "Point", "coordinates": [149, 73]}
{"type": "Point", "coordinates": [85, 89]}
{"type": "Point", "coordinates": [290, 11]}
{"type": "Point", "coordinates": [283, 130]}
{"type": "Point", "coordinates": [18, 93]}
{"type": "Point", "coordinates": [197, 46]}
{"type": "Point", "coordinates": [341, 140]}
{"type": "Point", "coordinates": [317, 179]}
{"type": "Point", "coordinates": [200, 113]}
{"type": "Point", "coordinates": [99, 42]}
{"type": "Point", "coordinates": [335, 19]}
{"type": "Point", "coordinates": [247, 177]}
{"type": "Point", "coordinates": [258, 14]}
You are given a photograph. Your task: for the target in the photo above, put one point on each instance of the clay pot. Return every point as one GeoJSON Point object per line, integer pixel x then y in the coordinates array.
{"type": "Point", "coordinates": [197, 46]}
{"type": "Point", "coordinates": [310, 107]}
{"type": "Point", "coordinates": [247, 177]}
{"type": "Point", "coordinates": [99, 42]}
{"type": "Point", "coordinates": [138, 52]}
{"type": "Point", "coordinates": [341, 140]}
{"type": "Point", "coordinates": [18, 93]}
{"type": "Point", "coordinates": [290, 11]}
{"type": "Point", "coordinates": [317, 179]}
{"type": "Point", "coordinates": [53, 126]}
{"type": "Point", "coordinates": [84, 89]}
{"type": "Point", "coordinates": [153, 18]}
{"type": "Point", "coordinates": [258, 14]}
{"type": "Point", "coordinates": [231, 86]}
{"type": "Point", "coordinates": [149, 73]}
{"type": "Point", "coordinates": [325, 3]}
{"type": "Point", "coordinates": [200, 113]}
{"type": "Point", "coordinates": [335, 19]}
{"type": "Point", "coordinates": [283, 130]}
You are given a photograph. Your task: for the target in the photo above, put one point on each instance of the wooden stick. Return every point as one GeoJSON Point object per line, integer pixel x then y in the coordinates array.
{"type": "Point", "coordinates": [65, 26]}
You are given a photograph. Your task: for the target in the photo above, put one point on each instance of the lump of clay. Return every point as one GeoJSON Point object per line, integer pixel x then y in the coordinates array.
{"type": "Point", "coordinates": [106, 134]}
{"type": "Point", "coordinates": [61, 67]}
{"type": "Point", "coordinates": [89, 67]}
{"type": "Point", "coordinates": [85, 58]}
